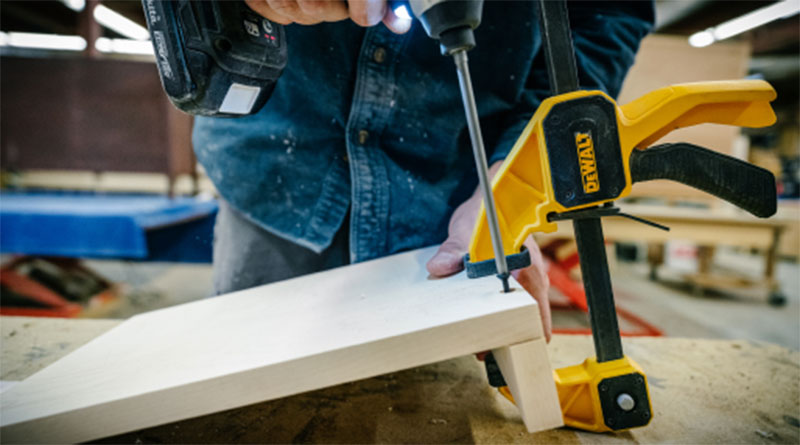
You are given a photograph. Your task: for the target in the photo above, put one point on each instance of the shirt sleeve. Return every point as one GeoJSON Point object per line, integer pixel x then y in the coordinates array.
{"type": "Point", "coordinates": [606, 36]}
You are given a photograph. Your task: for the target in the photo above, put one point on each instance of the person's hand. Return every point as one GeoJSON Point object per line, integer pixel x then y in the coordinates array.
{"type": "Point", "coordinates": [311, 12]}
{"type": "Point", "coordinates": [448, 259]}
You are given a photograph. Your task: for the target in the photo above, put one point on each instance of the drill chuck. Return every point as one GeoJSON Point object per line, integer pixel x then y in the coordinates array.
{"type": "Point", "coordinates": [449, 21]}
{"type": "Point", "coordinates": [455, 40]}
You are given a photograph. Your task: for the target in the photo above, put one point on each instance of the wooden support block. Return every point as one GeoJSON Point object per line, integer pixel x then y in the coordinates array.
{"type": "Point", "coordinates": [527, 371]}
{"type": "Point", "coordinates": [273, 341]}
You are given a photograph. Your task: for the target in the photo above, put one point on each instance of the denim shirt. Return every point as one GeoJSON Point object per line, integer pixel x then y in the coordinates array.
{"type": "Point", "coordinates": [371, 123]}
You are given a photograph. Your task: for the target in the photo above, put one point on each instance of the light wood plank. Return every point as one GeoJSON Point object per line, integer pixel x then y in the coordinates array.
{"type": "Point", "coordinates": [265, 343]}
{"type": "Point", "coordinates": [527, 371]}
{"type": "Point", "coordinates": [698, 379]}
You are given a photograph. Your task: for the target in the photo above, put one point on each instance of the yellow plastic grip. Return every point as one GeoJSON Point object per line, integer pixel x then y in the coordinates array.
{"type": "Point", "coordinates": [523, 190]}
{"type": "Point", "coordinates": [744, 103]}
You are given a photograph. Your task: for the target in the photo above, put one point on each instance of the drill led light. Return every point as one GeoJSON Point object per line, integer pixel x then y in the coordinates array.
{"type": "Point", "coordinates": [402, 12]}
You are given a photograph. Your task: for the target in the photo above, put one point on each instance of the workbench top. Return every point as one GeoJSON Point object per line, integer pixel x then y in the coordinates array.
{"type": "Point", "coordinates": [703, 391]}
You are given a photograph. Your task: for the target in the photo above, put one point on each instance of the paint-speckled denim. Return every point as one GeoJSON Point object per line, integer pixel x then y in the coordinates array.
{"type": "Point", "coordinates": [371, 122]}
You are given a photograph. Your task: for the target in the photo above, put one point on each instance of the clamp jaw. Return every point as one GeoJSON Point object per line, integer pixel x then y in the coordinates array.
{"type": "Point", "coordinates": [579, 153]}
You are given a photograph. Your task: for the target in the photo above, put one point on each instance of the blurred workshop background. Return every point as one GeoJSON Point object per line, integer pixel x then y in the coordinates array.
{"type": "Point", "coordinates": [104, 211]}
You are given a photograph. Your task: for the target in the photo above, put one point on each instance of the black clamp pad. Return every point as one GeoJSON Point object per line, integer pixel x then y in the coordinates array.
{"type": "Point", "coordinates": [635, 386]}
{"type": "Point", "coordinates": [493, 372]}
{"type": "Point", "coordinates": [489, 267]}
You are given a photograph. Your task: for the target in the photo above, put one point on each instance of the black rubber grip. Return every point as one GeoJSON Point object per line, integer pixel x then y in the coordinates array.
{"type": "Point", "coordinates": [489, 267]}
{"type": "Point", "coordinates": [740, 183]}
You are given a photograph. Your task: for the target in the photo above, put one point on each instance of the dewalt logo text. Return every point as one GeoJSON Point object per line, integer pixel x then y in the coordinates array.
{"type": "Point", "coordinates": [585, 145]}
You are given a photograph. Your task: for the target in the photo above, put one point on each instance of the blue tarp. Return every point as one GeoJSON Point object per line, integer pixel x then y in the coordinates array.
{"type": "Point", "coordinates": [89, 225]}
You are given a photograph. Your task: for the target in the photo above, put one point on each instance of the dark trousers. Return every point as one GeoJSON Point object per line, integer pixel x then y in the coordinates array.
{"type": "Point", "coordinates": [246, 255]}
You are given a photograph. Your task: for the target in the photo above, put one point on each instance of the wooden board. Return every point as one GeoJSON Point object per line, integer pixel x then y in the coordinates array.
{"type": "Point", "coordinates": [530, 381]}
{"type": "Point", "coordinates": [703, 391]}
{"type": "Point", "coordinates": [265, 343]}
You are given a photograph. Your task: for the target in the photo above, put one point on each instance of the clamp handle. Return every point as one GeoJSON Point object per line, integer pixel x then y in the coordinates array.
{"type": "Point", "coordinates": [743, 184]}
{"type": "Point", "coordinates": [743, 103]}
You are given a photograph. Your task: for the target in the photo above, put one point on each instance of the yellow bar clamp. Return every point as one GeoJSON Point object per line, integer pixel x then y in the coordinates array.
{"type": "Point", "coordinates": [523, 190]}
{"type": "Point", "coordinates": [524, 194]}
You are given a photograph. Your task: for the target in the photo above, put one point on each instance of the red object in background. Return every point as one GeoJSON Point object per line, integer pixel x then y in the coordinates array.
{"type": "Point", "coordinates": [42, 301]}
{"type": "Point", "coordinates": [56, 305]}
{"type": "Point", "coordinates": [574, 292]}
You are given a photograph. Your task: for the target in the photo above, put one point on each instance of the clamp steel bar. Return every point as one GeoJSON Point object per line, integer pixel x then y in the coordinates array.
{"type": "Point", "coordinates": [597, 284]}
{"type": "Point", "coordinates": [557, 42]}
{"type": "Point", "coordinates": [563, 75]}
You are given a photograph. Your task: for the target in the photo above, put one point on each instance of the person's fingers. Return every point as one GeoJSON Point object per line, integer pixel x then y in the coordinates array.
{"type": "Point", "coordinates": [398, 25]}
{"type": "Point", "coordinates": [263, 9]}
{"type": "Point", "coordinates": [447, 260]}
{"type": "Point", "coordinates": [310, 12]}
{"type": "Point", "coordinates": [324, 10]}
{"type": "Point", "coordinates": [367, 12]}
{"type": "Point", "coordinates": [291, 10]}
{"type": "Point", "coordinates": [535, 281]}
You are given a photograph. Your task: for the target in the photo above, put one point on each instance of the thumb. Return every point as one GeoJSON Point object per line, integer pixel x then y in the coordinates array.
{"type": "Point", "coordinates": [448, 260]}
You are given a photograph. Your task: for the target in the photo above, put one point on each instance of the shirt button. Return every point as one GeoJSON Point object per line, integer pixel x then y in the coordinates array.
{"type": "Point", "coordinates": [379, 55]}
{"type": "Point", "coordinates": [362, 137]}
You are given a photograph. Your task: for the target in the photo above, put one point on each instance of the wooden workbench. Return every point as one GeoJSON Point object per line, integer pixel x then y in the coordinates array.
{"type": "Point", "coordinates": [703, 391]}
{"type": "Point", "coordinates": [723, 225]}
